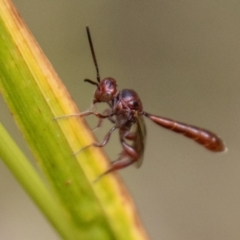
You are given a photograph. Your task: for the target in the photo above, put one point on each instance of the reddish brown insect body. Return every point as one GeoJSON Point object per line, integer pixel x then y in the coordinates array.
{"type": "Point", "coordinates": [201, 136]}
{"type": "Point", "coordinates": [126, 112]}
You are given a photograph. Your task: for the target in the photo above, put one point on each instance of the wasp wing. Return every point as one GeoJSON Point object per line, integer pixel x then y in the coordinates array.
{"type": "Point", "coordinates": [139, 139]}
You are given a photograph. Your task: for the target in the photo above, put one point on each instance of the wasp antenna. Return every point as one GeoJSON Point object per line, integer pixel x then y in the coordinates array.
{"type": "Point", "coordinates": [90, 81]}
{"type": "Point", "coordinates": [93, 53]}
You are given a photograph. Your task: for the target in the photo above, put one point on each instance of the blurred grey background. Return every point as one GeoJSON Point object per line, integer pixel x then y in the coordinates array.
{"type": "Point", "coordinates": [183, 58]}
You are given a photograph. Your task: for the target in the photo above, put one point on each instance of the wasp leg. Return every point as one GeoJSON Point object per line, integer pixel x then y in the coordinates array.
{"type": "Point", "coordinates": [123, 159]}
{"type": "Point", "coordinates": [127, 158]}
{"type": "Point", "coordinates": [84, 114]}
{"type": "Point", "coordinates": [131, 136]}
{"type": "Point", "coordinates": [102, 144]}
{"type": "Point", "coordinates": [108, 113]}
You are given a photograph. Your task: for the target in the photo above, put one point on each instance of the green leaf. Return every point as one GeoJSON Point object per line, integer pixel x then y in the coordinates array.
{"type": "Point", "coordinates": [33, 184]}
{"type": "Point", "coordinates": [35, 96]}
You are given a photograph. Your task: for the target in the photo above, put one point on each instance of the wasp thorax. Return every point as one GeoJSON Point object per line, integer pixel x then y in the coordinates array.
{"type": "Point", "coordinates": [106, 90]}
{"type": "Point", "coordinates": [130, 99]}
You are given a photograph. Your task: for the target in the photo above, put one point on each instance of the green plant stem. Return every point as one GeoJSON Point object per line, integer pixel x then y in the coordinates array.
{"type": "Point", "coordinates": [27, 176]}
{"type": "Point", "coordinates": [35, 96]}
